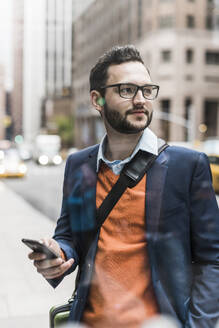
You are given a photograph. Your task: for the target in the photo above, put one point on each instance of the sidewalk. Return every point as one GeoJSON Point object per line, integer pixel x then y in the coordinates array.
{"type": "Point", "coordinates": [25, 297]}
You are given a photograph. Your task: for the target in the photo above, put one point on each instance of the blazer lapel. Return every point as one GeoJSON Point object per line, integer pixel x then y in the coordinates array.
{"type": "Point", "coordinates": [87, 191]}
{"type": "Point", "coordinates": [154, 190]}
{"type": "Point", "coordinates": [88, 169]}
{"type": "Point", "coordinates": [92, 158]}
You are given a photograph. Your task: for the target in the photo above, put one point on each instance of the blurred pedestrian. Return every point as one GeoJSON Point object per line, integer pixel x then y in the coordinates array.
{"type": "Point", "coordinates": [157, 251]}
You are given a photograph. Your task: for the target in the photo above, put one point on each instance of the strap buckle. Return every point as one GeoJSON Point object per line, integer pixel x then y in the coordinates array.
{"type": "Point", "coordinates": [137, 167]}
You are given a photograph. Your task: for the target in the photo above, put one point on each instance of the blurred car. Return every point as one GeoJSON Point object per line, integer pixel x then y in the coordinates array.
{"type": "Point", "coordinates": [46, 150]}
{"type": "Point", "coordinates": [11, 164]}
{"type": "Point", "coordinates": [214, 163]}
{"type": "Point", "coordinates": [211, 147]}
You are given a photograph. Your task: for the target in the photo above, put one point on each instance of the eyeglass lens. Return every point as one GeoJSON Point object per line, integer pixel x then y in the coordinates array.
{"type": "Point", "coordinates": [130, 90]}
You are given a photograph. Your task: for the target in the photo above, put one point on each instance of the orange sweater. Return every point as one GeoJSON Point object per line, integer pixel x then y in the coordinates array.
{"type": "Point", "coordinates": [121, 293]}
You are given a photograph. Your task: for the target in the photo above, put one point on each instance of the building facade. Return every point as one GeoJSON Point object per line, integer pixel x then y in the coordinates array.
{"type": "Point", "coordinates": [104, 24]}
{"type": "Point", "coordinates": [182, 51]}
{"type": "Point", "coordinates": [59, 52]}
{"type": "Point", "coordinates": [28, 68]}
{"type": "Point", "coordinates": [17, 92]}
{"type": "Point", "coordinates": [58, 60]}
{"type": "Point", "coordinates": [179, 42]}
{"type": "Point", "coordinates": [33, 67]}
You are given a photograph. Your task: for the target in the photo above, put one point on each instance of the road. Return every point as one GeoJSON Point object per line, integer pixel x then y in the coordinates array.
{"type": "Point", "coordinates": [42, 188]}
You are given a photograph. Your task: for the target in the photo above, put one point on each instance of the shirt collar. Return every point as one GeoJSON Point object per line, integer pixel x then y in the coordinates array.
{"type": "Point", "coordinates": [148, 142]}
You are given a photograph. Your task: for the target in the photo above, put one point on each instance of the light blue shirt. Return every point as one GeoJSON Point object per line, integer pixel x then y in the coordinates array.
{"type": "Point", "coordinates": [148, 142]}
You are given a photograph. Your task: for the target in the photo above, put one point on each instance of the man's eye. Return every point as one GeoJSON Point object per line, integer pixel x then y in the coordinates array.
{"type": "Point", "coordinates": [127, 90]}
{"type": "Point", "coordinates": [147, 91]}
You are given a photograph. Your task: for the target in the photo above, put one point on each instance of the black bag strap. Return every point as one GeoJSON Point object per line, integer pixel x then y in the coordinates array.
{"type": "Point", "coordinates": [131, 174]}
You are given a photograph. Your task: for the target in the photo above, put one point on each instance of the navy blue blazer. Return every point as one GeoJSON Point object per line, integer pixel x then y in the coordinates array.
{"type": "Point", "coordinates": [182, 229]}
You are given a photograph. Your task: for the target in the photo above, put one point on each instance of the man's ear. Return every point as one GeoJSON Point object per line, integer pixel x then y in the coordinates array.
{"type": "Point", "coordinates": [97, 100]}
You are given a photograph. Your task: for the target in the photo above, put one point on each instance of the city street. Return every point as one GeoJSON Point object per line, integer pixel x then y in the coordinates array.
{"type": "Point", "coordinates": [42, 188]}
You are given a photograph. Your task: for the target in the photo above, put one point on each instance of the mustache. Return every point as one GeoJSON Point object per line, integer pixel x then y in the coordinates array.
{"type": "Point", "coordinates": [131, 111]}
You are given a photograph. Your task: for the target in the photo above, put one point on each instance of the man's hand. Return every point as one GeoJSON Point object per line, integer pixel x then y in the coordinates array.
{"type": "Point", "coordinates": [50, 268]}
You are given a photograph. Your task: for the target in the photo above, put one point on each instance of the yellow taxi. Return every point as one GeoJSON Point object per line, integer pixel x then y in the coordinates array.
{"type": "Point", "coordinates": [214, 163]}
{"type": "Point", "coordinates": [11, 164]}
{"type": "Point", "coordinates": [211, 147]}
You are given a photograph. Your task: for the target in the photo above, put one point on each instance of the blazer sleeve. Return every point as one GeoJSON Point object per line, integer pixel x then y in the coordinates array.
{"type": "Point", "coordinates": [204, 303]}
{"type": "Point", "coordinates": [63, 233]}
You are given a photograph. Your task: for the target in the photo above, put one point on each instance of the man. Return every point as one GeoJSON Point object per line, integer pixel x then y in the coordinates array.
{"type": "Point", "coordinates": [157, 251]}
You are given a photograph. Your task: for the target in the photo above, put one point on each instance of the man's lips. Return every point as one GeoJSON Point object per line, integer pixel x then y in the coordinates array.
{"type": "Point", "coordinates": [138, 111]}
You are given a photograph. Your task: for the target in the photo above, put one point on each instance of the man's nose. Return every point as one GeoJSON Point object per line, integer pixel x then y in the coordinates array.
{"type": "Point", "coordinates": [139, 98]}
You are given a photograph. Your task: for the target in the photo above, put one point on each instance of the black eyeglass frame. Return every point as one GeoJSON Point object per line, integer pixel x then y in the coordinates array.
{"type": "Point", "coordinates": [118, 85]}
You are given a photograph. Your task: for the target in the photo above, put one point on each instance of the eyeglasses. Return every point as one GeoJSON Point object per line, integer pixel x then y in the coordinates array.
{"type": "Point", "coordinates": [129, 90]}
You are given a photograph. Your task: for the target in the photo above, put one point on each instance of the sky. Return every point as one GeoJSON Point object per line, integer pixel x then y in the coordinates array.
{"type": "Point", "coordinates": [5, 39]}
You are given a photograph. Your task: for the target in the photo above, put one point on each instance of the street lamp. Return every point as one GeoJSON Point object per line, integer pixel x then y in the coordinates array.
{"type": "Point", "coordinates": [177, 119]}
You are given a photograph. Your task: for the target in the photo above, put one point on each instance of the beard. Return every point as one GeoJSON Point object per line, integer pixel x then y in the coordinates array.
{"type": "Point", "coordinates": [121, 124]}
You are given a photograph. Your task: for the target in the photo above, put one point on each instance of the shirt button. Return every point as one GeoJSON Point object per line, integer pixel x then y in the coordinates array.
{"type": "Point", "coordinates": [89, 265]}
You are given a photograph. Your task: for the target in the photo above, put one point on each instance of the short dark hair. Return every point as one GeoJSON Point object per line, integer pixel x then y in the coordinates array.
{"type": "Point", "coordinates": [114, 56]}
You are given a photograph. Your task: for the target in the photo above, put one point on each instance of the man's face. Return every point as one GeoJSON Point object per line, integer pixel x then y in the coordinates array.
{"type": "Point", "coordinates": [127, 115]}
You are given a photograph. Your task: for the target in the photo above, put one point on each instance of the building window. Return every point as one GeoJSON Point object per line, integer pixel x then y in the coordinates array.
{"type": "Point", "coordinates": [209, 22]}
{"type": "Point", "coordinates": [165, 124]}
{"type": "Point", "coordinates": [210, 117]}
{"type": "Point", "coordinates": [216, 22]}
{"type": "Point", "coordinates": [212, 57]}
{"type": "Point", "coordinates": [212, 22]}
{"type": "Point", "coordinates": [190, 21]}
{"type": "Point", "coordinates": [189, 56]}
{"type": "Point", "coordinates": [187, 115]}
{"type": "Point", "coordinates": [166, 21]}
{"type": "Point", "coordinates": [189, 77]}
{"type": "Point", "coordinates": [166, 56]}
{"type": "Point", "coordinates": [211, 79]}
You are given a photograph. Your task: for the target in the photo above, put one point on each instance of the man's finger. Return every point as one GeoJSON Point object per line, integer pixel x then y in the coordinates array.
{"type": "Point", "coordinates": [53, 272]}
{"type": "Point", "coordinates": [45, 264]}
{"type": "Point", "coordinates": [37, 256]}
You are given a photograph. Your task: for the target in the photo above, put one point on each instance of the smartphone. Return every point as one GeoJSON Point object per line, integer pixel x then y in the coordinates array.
{"type": "Point", "coordinates": [38, 247]}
